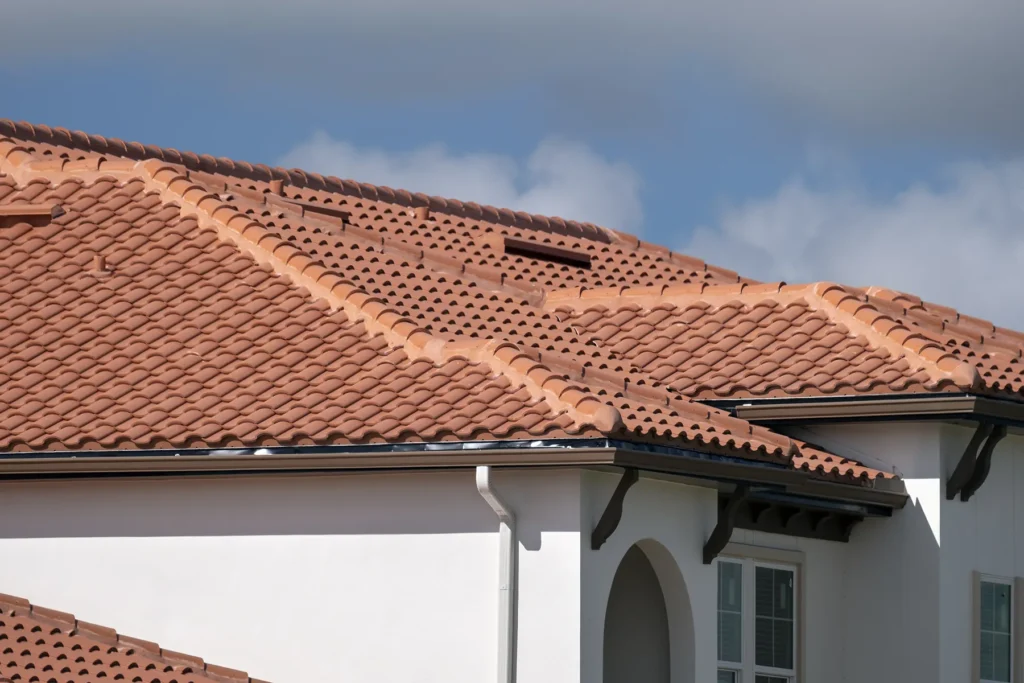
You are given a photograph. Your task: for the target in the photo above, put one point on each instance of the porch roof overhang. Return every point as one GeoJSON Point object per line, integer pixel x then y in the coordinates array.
{"type": "Point", "coordinates": [909, 407]}
{"type": "Point", "coordinates": [776, 498]}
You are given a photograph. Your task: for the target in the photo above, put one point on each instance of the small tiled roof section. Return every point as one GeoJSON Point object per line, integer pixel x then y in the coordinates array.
{"type": "Point", "coordinates": [40, 644]}
{"type": "Point", "coordinates": [768, 340]}
{"type": "Point", "coordinates": [157, 299]}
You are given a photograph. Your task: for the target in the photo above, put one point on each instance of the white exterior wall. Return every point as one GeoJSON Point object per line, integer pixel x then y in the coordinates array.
{"type": "Point", "coordinates": [677, 519]}
{"type": "Point", "coordinates": [671, 522]}
{"type": "Point", "coordinates": [384, 578]}
{"type": "Point", "coordinates": [985, 534]}
{"type": "Point", "coordinates": [908, 579]}
{"type": "Point", "coordinates": [393, 577]}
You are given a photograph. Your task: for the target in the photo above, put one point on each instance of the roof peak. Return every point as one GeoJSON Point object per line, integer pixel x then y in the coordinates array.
{"type": "Point", "coordinates": [222, 165]}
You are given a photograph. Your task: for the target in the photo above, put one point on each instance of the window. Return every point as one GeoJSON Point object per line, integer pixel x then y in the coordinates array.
{"type": "Point", "coordinates": [995, 656]}
{"type": "Point", "coordinates": [756, 622]}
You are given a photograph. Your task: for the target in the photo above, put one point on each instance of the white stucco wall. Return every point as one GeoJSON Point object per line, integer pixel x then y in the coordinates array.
{"type": "Point", "coordinates": [671, 522]}
{"type": "Point", "coordinates": [674, 520]}
{"type": "Point", "coordinates": [985, 534]}
{"type": "Point", "coordinates": [393, 577]}
{"type": "Point", "coordinates": [378, 578]}
{"type": "Point", "coordinates": [908, 579]}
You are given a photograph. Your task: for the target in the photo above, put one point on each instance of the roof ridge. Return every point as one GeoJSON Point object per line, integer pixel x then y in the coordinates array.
{"type": "Point", "coordinates": [862, 317]}
{"type": "Point", "coordinates": [509, 359]}
{"type": "Point", "coordinates": [104, 634]}
{"type": "Point", "coordinates": [210, 164]}
{"type": "Point", "coordinates": [920, 308]}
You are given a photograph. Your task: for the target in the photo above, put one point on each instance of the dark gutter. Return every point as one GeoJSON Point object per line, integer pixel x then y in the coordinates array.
{"type": "Point", "coordinates": [444, 455]}
{"type": "Point", "coordinates": [801, 410]}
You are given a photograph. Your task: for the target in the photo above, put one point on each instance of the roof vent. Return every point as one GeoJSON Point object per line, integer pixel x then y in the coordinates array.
{"type": "Point", "coordinates": [277, 186]}
{"type": "Point", "coordinates": [37, 215]}
{"type": "Point", "coordinates": [546, 252]}
{"type": "Point", "coordinates": [421, 213]}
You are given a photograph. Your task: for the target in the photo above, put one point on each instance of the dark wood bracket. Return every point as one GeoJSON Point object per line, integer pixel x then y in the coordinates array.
{"type": "Point", "coordinates": [973, 468]}
{"type": "Point", "coordinates": [612, 515]}
{"type": "Point", "coordinates": [726, 521]}
{"type": "Point", "coordinates": [984, 463]}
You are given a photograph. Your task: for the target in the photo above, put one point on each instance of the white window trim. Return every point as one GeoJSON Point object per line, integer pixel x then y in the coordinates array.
{"type": "Point", "coordinates": [1016, 584]}
{"type": "Point", "coordinates": [752, 556]}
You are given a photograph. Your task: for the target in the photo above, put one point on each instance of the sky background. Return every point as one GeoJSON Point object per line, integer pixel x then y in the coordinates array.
{"type": "Point", "coordinates": [872, 143]}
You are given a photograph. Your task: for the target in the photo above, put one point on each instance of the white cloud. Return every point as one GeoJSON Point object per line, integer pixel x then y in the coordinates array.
{"type": "Point", "coordinates": [560, 178]}
{"type": "Point", "coordinates": [950, 66]}
{"type": "Point", "coordinates": [959, 244]}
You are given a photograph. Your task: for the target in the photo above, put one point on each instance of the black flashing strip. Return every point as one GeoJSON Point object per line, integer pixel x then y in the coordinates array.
{"type": "Point", "coordinates": [369, 449]}
{"type": "Point", "coordinates": [597, 452]}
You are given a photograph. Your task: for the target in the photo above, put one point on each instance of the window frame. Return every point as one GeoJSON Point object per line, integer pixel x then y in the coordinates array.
{"type": "Point", "coordinates": [1015, 623]}
{"type": "Point", "coordinates": [733, 667]}
{"type": "Point", "coordinates": [749, 557]}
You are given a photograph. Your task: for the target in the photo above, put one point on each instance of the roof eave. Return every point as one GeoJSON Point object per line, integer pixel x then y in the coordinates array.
{"type": "Point", "coordinates": [589, 453]}
{"type": "Point", "coordinates": [800, 410]}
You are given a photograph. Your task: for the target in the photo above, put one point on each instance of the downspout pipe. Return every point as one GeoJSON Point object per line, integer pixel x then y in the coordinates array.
{"type": "Point", "coordinates": [507, 580]}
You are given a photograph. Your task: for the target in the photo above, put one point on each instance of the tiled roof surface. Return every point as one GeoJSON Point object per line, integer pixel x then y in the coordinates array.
{"type": "Point", "coordinates": [46, 646]}
{"type": "Point", "coordinates": [744, 340]}
{"type": "Point", "coordinates": [179, 300]}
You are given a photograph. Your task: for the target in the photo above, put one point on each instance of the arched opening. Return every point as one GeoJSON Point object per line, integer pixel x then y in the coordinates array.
{"type": "Point", "coordinates": [648, 630]}
{"type": "Point", "coordinates": [636, 624]}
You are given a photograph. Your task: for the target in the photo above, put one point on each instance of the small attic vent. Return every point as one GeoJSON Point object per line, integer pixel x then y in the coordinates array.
{"type": "Point", "coordinates": [33, 214]}
{"type": "Point", "coordinates": [546, 252]}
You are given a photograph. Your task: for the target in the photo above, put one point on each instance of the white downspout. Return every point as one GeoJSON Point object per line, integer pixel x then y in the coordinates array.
{"type": "Point", "coordinates": [507, 577]}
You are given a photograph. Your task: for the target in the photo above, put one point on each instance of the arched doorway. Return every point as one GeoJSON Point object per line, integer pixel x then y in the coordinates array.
{"type": "Point", "coordinates": [636, 624]}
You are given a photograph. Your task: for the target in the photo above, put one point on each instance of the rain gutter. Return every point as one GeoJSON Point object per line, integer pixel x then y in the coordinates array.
{"type": "Point", "coordinates": [587, 453]}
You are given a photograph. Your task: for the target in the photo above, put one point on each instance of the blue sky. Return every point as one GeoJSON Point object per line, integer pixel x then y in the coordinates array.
{"type": "Point", "coordinates": [802, 146]}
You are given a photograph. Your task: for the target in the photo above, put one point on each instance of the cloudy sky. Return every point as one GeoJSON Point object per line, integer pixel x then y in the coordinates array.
{"type": "Point", "coordinates": [870, 143]}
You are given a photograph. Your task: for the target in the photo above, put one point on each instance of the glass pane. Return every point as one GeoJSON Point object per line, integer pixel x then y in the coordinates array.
{"type": "Point", "coordinates": [987, 606]}
{"type": "Point", "coordinates": [783, 644]}
{"type": "Point", "coordinates": [730, 588]}
{"type": "Point", "coordinates": [729, 637]}
{"type": "Point", "coordinates": [783, 593]}
{"type": "Point", "coordinates": [1001, 603]}
{"type": "Point", "coordinates": [987, 656]}
{"type": "Point", "coordinates": [996, 607]}
{"type": "Point", "coordinates": [1001, 657]}
{"type": "Point", "coordinates": [770, 679]}
{"type": "Point", "coordinates": [726, 676]}
{"type": "Point", "coordinates": [764, 638]}
{"type": "Point", "coordinates": [763, 598]}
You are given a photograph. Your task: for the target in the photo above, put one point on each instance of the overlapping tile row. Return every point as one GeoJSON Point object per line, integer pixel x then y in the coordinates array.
{"type": "Point", "coordinates": [177, 339]}
{"type": "Point", "coordinates": [775, 340]}
{"type": "Point", "coordinates": [348, 333]}
{"type": "Point", "coordinates": [761, 349]}
{"type": "Point", "coordinates": [40, 644]}
{"type": "Point", "coordinates": [646, 416]}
